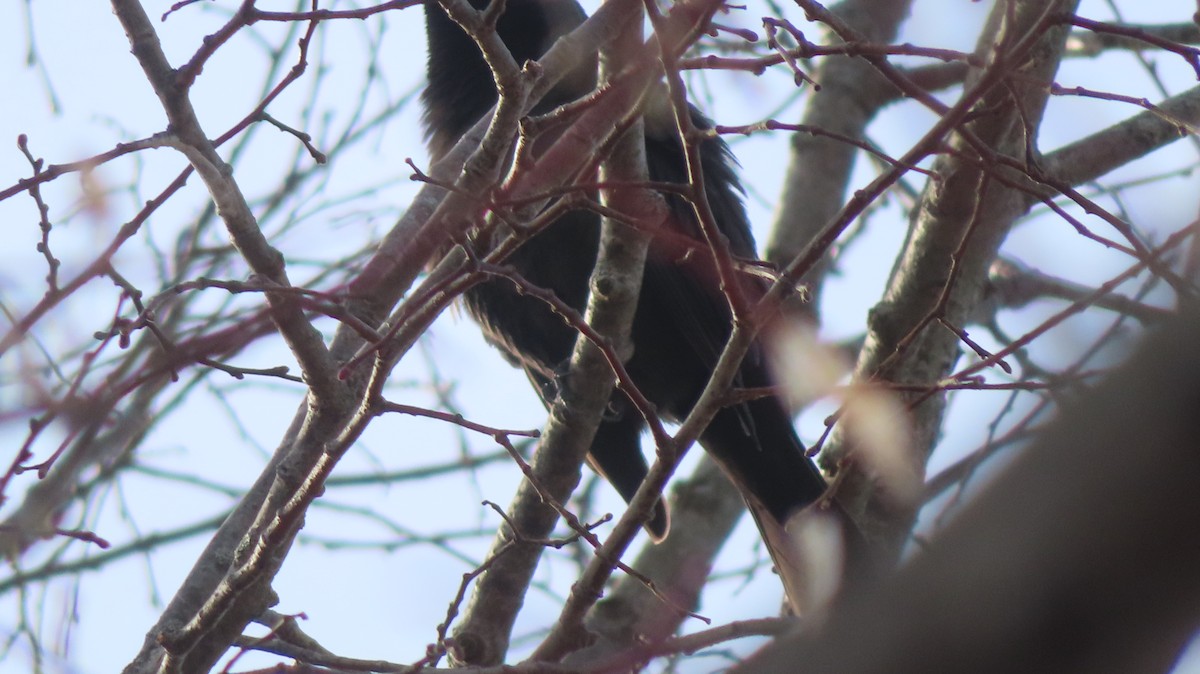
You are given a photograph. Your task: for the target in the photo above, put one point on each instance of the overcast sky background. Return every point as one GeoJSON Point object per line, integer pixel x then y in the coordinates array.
{"type": "Point", "coordinates": [87, 93]}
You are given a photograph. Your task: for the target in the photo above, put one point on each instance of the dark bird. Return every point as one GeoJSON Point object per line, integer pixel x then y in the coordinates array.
{"type": "Point", "coordinates": [682, 321]}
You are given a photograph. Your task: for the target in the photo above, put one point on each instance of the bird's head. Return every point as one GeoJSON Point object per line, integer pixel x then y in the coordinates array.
{"type": "Point", "coordinates": [461, 88]}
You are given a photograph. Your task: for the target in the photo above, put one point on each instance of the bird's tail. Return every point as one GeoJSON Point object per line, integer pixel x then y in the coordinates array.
{"type": "Point", "coordinates": [756, 444]}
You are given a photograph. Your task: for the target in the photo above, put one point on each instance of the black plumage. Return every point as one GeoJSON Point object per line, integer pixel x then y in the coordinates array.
{"type": "Point", "coordinates": [682, 320]}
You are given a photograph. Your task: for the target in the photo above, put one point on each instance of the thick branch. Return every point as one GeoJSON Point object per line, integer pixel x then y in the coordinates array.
{"type": "Point", "coordinates": [302, 338]}
{"type": "Point", "coordinates": [963, 217]}
{"type": "Point", "coordinates": [819, 167]}
{"type": "Point", "coordinates": [705, 508]}
{"type": "Point", "coordinates": [482, 636]}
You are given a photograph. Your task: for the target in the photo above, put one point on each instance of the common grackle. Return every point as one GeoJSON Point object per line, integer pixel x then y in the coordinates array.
{"type": "Point", "coordinates": [682, 321]}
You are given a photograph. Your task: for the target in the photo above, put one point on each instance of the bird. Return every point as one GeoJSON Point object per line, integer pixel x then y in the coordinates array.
{"type": "Point", "coordinates": [682, 320]}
